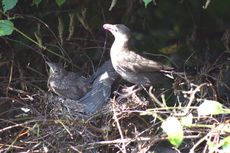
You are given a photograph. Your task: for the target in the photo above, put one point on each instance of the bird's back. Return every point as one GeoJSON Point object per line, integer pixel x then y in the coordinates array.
{"type": "Point", "coordinates": [140, 70]}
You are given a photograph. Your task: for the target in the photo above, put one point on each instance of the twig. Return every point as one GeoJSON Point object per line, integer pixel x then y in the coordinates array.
{"type": "Point", "coordinates": [154, 97]}
{"type": "Point", "coordinates": [191, 98]}
{"type": "Point", "coordinates": [118, 126]}
{"type": "Point", "coordinates": [10, 77]}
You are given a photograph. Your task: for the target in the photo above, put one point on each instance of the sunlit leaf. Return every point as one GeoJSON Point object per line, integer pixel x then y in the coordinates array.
{"type": "Point", "coordinates": [187, 120]}
{"type": "Point", "coordinates": [60, 2]}
{"type": "Point", "coordinates": [6, 27]}
{"type": "Point", "coordinates": [226, 144]}
{"type": "Point", "coordinates": [223, 145]}
{"type": "Point", "coordinates": [25, 110]}
{"type": "Point", "coordinates": [146, 2]}
{"type": "Point", "coordinates": [170, 49]}
{"type": "Point", "coordinates": [211, 145]}
{"type": "Point", "coordinates": [207, 4]}
{"type": "Point", "coordinates": [112, 4]}
{"type": "Point", "coordinates": [173, 128]}
{"type": "Point", "coordinates": [36, 2]}
{"type": "Point", "coordinates": [8, 4]}
{"type": "Point", "coordinates": [210, 107]}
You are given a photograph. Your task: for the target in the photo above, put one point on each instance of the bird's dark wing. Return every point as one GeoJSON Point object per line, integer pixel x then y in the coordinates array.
{"type": "Point", "coordinates": [96, 98]}
{"type": "Point", "coordinates": [100, 92]}
{"type": "Point", "coordinates": [137, 63]}
{"type": "Point", "coordinates": [106, 66]}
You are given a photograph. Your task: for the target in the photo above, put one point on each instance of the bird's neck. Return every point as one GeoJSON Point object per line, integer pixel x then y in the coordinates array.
{"type": "Point", "coordinates": [120, 45]}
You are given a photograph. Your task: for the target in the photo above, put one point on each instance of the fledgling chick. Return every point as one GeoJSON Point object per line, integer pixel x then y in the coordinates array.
{"type": "Point", "coordinates": [66, 84]}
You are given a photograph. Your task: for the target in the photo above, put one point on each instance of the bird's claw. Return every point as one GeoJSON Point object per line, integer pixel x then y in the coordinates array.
{"type": "Point", "coordinates": [130, 89]}
{"type": "Point", "coordinates": [127, 92]}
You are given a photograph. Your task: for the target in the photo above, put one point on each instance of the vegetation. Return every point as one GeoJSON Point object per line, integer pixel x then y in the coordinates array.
{"type": "Point", "coordinates": [193, 36]}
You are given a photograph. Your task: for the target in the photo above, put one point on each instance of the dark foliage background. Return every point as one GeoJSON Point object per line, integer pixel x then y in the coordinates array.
{"type": "Point", "coordinates": [181, 28]}
{"type": "Point", "coordinates": [192, 35]}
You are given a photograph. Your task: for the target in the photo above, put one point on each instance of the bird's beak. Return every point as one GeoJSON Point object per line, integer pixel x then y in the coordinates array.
{"type": "Point", "coordinates": [51, 66]}
{"type": "Point", "coordinates": [109, 27]}
{"type": "Point", "coordinates": [48, 63]}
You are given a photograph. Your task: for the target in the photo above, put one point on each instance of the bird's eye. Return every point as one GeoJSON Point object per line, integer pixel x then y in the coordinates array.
{"type": "Point", "coordinates": [116, 30]}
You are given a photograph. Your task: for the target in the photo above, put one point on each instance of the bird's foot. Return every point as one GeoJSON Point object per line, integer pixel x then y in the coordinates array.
{"type": "Point", "coordinates": [131, 89]}
{"type": "Point", "coordinates": [128, 91]}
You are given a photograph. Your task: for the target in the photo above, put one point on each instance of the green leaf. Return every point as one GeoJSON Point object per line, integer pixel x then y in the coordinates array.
{"type": "Point", "coordinates": [223, 146]}
{"type": "Point", "coordinates": [36, 2]}
{"type": "Point", "coordinates": [187, 120]}
{"type": "Point", "coordinates": [60, 2]}
{"type": "Point", "coordinates": [226, 144]}
{"type": "Point", "coordinates": [6, 27]}
{"type": "Point", "coordinates": [210, 107]}
{"type": "Point", "coordinates": [8, 4]}
{"type": "Point", "coordinates": [147, 2]}
{"type": "Point", "coordinates": [112, 4]}
{"type": "Point", "coordinates": [173, 128]}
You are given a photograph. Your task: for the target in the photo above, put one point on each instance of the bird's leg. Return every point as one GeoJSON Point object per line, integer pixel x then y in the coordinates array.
{"type": "Point", "coordinates": [131, 89]}
{"type": "Point", "coordinates": [128, 91]}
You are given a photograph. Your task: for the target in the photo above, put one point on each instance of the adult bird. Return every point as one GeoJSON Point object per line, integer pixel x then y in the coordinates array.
{"type": "Point", "coordinates": [66, 84]}
{"type": "Point", "coordinates": [131, 66]}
